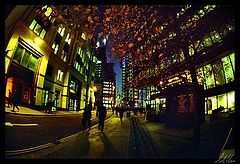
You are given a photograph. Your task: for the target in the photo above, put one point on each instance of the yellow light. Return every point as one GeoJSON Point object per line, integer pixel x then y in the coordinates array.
{"type": "Point", "coordinates": [37, 40]}
{"type": "Point", "coordinates": [95, 88]}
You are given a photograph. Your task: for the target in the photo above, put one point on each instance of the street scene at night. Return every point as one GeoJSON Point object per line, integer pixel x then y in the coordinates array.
{"type": "Point", "coordinates": [120, 82]}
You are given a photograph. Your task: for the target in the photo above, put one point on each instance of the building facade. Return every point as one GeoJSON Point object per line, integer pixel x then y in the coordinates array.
{"type": "Point", "coordinates": [197, 49]}
{"type": "Point", "coordinates": [47, 60]}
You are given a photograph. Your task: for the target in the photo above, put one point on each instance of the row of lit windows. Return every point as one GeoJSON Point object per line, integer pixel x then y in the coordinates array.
{"type": "Point", "coordinates": [226, 100]}
{"type": "Point", "coordinates": [208, 40]}
{"type": "Point", "coordinates": [218, 73]}
{"type": "Point", "coordinates": [25, 58]}
{"type": "Point", "coordinates": [37, 29]}
{"type": "Point", "coordinates": [109, 92]}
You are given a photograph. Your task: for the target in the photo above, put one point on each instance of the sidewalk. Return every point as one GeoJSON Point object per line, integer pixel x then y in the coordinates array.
{"type": "Point", "coordinates": [114, 142]}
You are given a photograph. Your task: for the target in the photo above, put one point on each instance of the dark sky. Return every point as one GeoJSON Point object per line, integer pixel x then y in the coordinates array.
{"type": "Point", "coordinates": [117, 70]}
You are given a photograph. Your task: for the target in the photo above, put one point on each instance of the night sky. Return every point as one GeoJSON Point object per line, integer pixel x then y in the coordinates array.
{"type": "Point", "coordinates": [117, 70]}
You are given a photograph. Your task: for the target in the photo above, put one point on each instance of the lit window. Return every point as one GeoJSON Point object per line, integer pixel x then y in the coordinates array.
{"type": "Point", "coordinates": [55, 47]}
{"type": "Point", "coordinates": [227, 69]}
{"type": "Point", "coordinates": [68, 39]}
{"type": "Point", "coordinates": [37, 29]}
{"type": "Point", "coordinates": [60, 75]}
{"type": "Point", "coordinates": [42, 34]}
{"type": "Point", "coordinates": [209, 76]}
{"type": "Point", "coordinates": [61, 30]}
{"type": "Point", "coordinates": [218, 73]}
{"type": "Point", "coordinates": [32, 25]}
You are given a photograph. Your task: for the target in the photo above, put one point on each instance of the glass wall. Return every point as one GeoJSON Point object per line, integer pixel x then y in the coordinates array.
{"type": "Point", "coordinates": [227, 100]}
{"type": "Point", "coordinates": [217, 73]}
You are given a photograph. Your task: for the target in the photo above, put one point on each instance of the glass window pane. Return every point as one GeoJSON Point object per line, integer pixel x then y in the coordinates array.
{"type": "Point", "coordinates": [17, 55]}
{"type": "Point", "coordinates": [218, 73]}
{"type": "Point", "coordinates": [227, 69]}
{"type": "Point", "coordinates": [207, 41]}
{"type": "Point", "coordinates": [42, 34]}
{"type": "Point", "coordinates": [211, 104]}
{"type": "Point", "coordinates": [215, 37]}
{"type": "Point", "coordinates": [222, 101]}
{"type": "Point", "coordinates": [32, 24]}
{"type": "Point", "coordinates": [200, 77]}
{"type": "Point", "coordinates": [48, 12]}
{"type": "Point", "coordinates": [25, 59]}
{"type": "Point", "coordinates": [231, 100]}
{"type": "Point", "coordinates": [210, 83]}
{"type": "Point", "coordinates": [232, 57]}
{"type": "Point", "coordinates": [37, 29]}
{"type": "Point", "coordinates": [33, 63]}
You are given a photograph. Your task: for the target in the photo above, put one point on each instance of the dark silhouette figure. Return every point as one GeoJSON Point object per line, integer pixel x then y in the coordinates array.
{"type": "Point", "coordinates": [101, 113]}
{"type": "Point", "coordinates": [15, 102]}
{"type": "Point", "coordinates": [121, 111]}
{"type": "Point", "coordinates": [87, 115]}
{"type": "Point", "coordinates": [9, 98]}
{"type": "Point", "coordinates": [49, 106]}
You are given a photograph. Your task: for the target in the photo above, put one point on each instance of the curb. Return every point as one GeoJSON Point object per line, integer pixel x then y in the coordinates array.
{"type": "Point", "coordinates": [45, 146]}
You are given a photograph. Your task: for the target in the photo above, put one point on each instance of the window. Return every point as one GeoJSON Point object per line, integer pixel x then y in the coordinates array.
{"type": "Point", "coordinates": [227, 69]}
{"type": "Point", "coordinates": [207, 41]}
{"type": "Point", "coordinates": [209, 76]}
{"type": "Point", "coordinates": [218, 73]}
{"type": "Point", "coordinates": [18, 54]}
{"type": "Point", "coordinates": [57, 99]}
{"type": "Point", "coordinates": [64, 56]}
{"type": "Point", "coordinates": [215, 37]}
{"type": "Point", "coordinates": [55, 47]}
{"type": "Point", "coordinates": [33, 63]}
{"type": "Point", "coordinates": [232, 57]}
{"type": "Point", "coordinates": [61, 31]}
{"type": "Point", "coordinates": [200, 77]}
{"type": "Point", "coordinates": [37, 29]}
{"type": "Point", "coordinates": [68, 39]}
{"type": "Point", "coordinates": [73, 86]}
{"type": "Point", "coordinates": [211, 104]}
{"type": "Point", "coordinates": [25, 58]}
{"type": "Point", "coordinates": [231, 100]}
{"type": "Point", "coordinates": [222, 101]}
{"type": "Point", "coordinates": [45, 95]}
{"type": "Point", "coordinates": [60, 75]}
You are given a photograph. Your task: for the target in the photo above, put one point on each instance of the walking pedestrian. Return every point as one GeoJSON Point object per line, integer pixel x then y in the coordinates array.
{"type": "Point", "coordinates": [15, 101]}
{"type": "Point", "coordinates": [101, 113]}
{"type": "Point", "coordinates": [9, 98]}
{"type": "Point", "coordinates": [121, 111]}
{"type": "Point", "coordinates": [50, 106]}
{"type": "Point", "coordinates": [87, 115]}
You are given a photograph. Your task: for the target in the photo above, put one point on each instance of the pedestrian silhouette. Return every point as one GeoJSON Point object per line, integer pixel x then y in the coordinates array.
{"type": "Point", "coordinates": [15, 101]}
{"type": "Point", "coordinates": [50, 106]}
{"type": "Point", "coordinates": [101, 113]}
{"type": "Point", "coordinates": [121, 111]}
{"type": "Point", "coordinates": [87, 115]}
{"type": "Point", "coordinates": [9, 98]}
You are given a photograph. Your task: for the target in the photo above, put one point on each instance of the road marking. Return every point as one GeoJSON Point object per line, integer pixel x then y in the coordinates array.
{"type": "Point", "coordinates": [10, 124]}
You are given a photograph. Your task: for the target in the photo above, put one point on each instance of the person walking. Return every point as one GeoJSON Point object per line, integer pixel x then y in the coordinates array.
{"type": "Point", "coordinates": [101, 113]}
{"type": "Point", "coordinates": [121, 111]}
{"type": "Point", "coordinates": [9, 98]}
{"type": "Point", "coordinates": [15, 101]}
{"type": "Point", "coordinates": [87, 115]}
{"type": "Point", "coordinates": [50, 106]}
